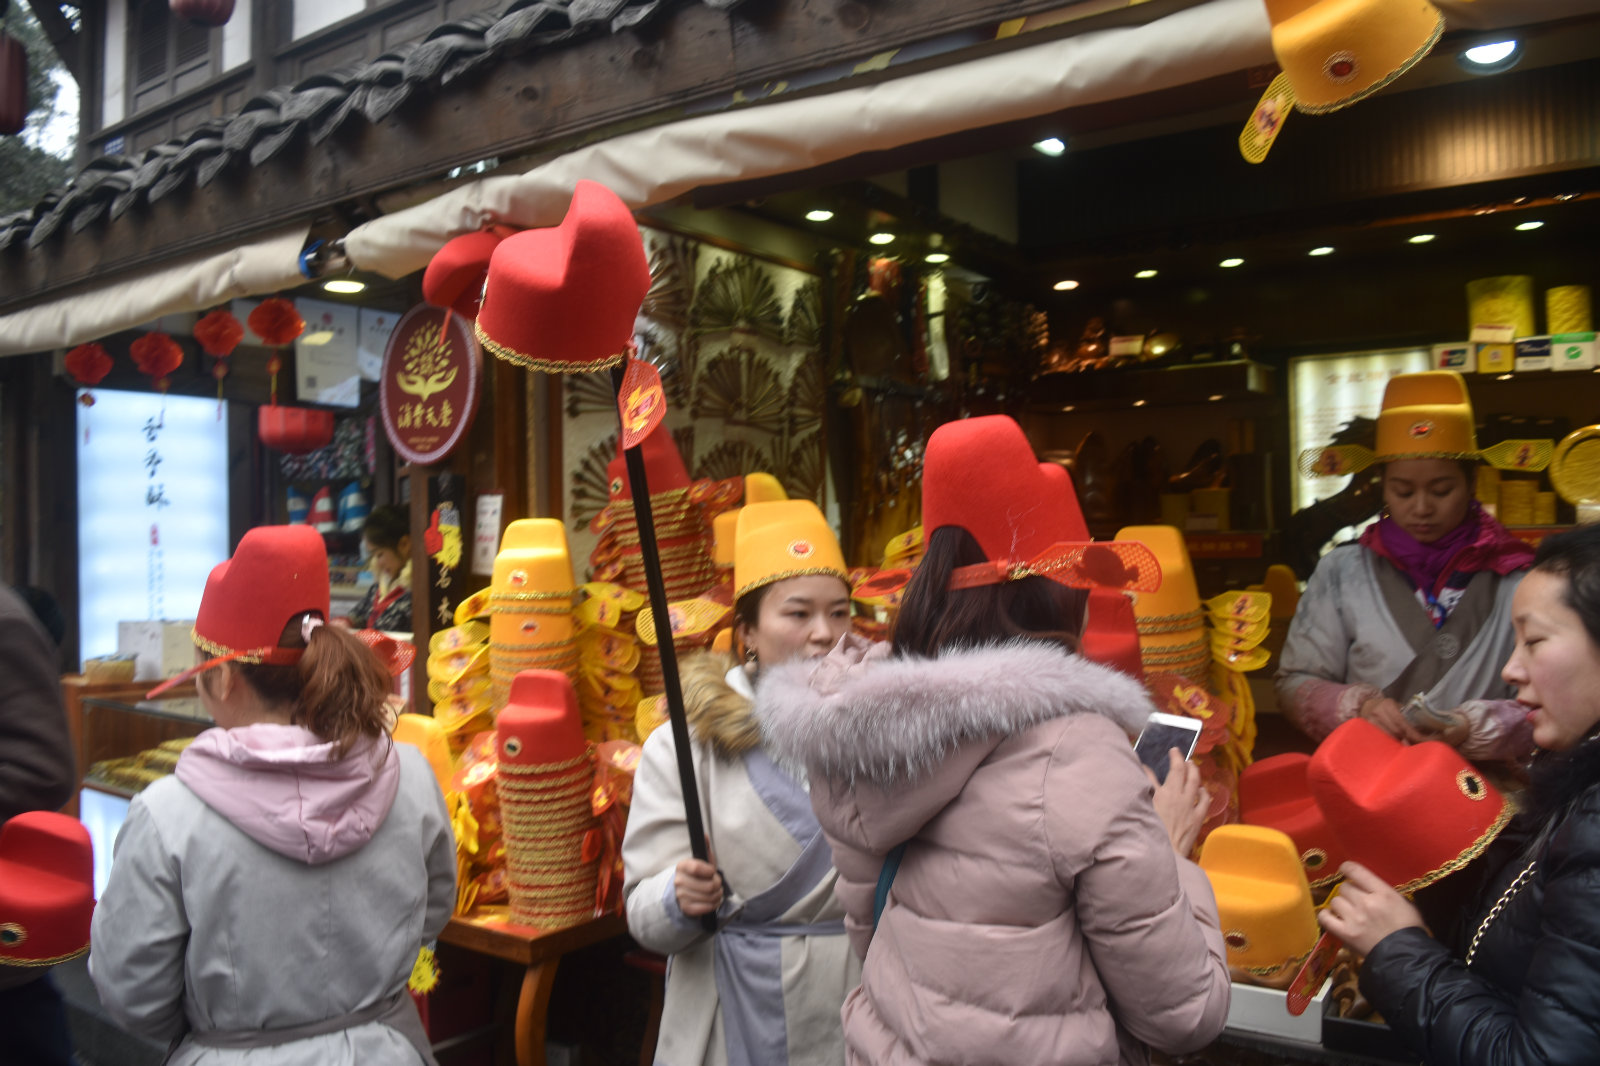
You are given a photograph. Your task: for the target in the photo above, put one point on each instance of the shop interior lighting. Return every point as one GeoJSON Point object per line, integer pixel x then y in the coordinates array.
{"type": "Point", "coordinates": [347, 286]}
{"type": "Point", "coordinates": [1050, 146]}
{"type": "Point", "coordinates": [1503, 377]}
{"type": "Point", "coordinates": [1326, 249]}
{"type": "Point", "coordinates": [1068, 408]}
{"type": "Point", "coordinates": [1215, 396]}
{"type": "Point", "coordinates": [881, 238]}
{"type": "Point", "coordinates": [1233, 262]}
{"type": "Point", "coordinates": [1419, 238]}
{"type": "Point", "coordinates": [1531, 224]}
{"type": "Point", "coordinates": [1491, 58]}
{"type": "Point", "coordinates": [1147, 273]}
{"type": "Point", "coordinates": [1065, 285]}
{"type": "Point", "coordinates": [818, 214]}
{"type": "Point", "coordinates": [936, 258]}
{"type": "Point", "coordinates": [317, 339]}
{"type": "Point", "coordinates": [1140, 403]}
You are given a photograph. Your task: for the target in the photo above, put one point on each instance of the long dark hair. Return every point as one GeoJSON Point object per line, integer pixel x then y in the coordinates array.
{"type": "Point", "coordinates": [386, 526]}
{"type": "Point", "coordinates": [337, 689]}
{"type": "Point", "coordinates": [934, 619]}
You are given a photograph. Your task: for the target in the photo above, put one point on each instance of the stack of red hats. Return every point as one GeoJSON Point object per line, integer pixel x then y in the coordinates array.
{"type": "Point", "coordinates": [546, 773]}
{"type": "Point", "coordinates": [46, 889]}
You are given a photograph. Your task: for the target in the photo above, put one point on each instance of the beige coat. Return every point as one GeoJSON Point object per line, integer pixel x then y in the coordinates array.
{"type": "Point", "coordinates": [1040, 915]}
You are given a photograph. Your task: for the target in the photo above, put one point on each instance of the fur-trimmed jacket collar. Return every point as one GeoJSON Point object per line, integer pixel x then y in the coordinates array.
{"type": "Point", "coordinates": [719, 716]}
{"type": "Point", "coordinates": [858, 714]}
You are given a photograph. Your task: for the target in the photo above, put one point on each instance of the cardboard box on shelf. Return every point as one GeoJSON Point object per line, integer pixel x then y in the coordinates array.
{"type": "Point", "coordinates": [1461, 357]}
{"type": "Point", "coordinates": [162, 649]}
{"type": "Point", "coordinates": [1573, 351]}
{"type": "Point", "coordinates": [1266, 1010]}
{"type": "Point", "coordinates": [1533, 353]}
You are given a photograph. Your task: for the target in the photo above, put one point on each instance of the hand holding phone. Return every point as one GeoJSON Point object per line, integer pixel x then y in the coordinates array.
{"type": "Point", "coordinates": [1162, 733]}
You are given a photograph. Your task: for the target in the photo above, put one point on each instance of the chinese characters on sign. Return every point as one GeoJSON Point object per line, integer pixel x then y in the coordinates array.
{"type": "Point", "coordinates": [432, 376]}
{"type": "Point", "coordinates": [155, 498]}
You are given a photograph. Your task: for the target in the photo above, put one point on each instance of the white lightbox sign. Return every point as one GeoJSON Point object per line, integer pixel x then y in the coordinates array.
{"type": "Point", "coordinates": [152, 509]}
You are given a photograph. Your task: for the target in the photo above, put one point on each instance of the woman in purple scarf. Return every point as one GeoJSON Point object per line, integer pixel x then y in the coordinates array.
{"type": "Point", "coordinates": [1409, 628]}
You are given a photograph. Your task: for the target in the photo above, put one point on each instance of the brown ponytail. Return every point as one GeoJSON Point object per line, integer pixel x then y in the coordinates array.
{"type": "Point", "coordinates": [338, 688]}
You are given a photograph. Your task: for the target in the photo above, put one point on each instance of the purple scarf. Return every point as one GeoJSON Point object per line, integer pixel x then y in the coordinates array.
{"type": "Point", "coordinates": [1478, 543]}
{"type": "Point", "coordinates": [1423, 563]}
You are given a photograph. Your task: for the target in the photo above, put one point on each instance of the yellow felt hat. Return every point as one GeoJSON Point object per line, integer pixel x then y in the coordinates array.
{"type": "Point", "coordinates": [758, 488]}
{"type": "Point", "coordinates": [1336, 52]}
{"type": "Point", "coordinates": [1263, 899]}
{"type": "Point", "coordinates": [531, 593]}
{"type": "Point", "coordinates": [1172, 634]}
{"type": "Point", "coordinates": [784, 539]}
{"type": "Point", "coordinates": [427, 735]}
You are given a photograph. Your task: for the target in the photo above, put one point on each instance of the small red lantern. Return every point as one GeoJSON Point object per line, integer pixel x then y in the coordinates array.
{"type": "Point", "coordinates": [295, 430]}
{"type": "Point", "coordinates": [88, 364]}
{"type": "Point", "coordinates": [203, 12]}
{"type": "Point", "coordinates": [158, 355]}
{"type": "Point", "coordinates": [276, 322]}
{"type": "Point", "coordinates": [13, 85]}
{"type": "Point", "coordinates": [219, 333]}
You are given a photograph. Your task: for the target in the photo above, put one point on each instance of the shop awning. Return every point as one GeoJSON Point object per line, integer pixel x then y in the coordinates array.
{"type": "Point", "coordinates": [265, 265]}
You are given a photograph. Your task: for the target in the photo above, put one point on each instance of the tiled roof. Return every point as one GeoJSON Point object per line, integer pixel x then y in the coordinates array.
{"type": "Point", "coordinates": [318, 107]}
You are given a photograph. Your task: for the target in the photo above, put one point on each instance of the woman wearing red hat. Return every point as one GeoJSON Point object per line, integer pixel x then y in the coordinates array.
{"type": "Point", "coordinates": [1043, 910]}
{"type": "Point", "coordinates": [267, 902]}
{"type": "Point", "coordinates": [1514, 978]}
{"type": "Point", "coordinates": [767, 987]}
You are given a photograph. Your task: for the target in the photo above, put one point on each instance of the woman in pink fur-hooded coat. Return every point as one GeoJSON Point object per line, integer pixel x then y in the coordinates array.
{"type": "Point", "coordinates": [1043, 911]}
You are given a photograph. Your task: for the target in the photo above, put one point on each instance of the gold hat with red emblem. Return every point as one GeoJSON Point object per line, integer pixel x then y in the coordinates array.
{"type": "Point", "coordinates": [1335, 52]}
{"type": "Point", "coordinates": [783, 539]}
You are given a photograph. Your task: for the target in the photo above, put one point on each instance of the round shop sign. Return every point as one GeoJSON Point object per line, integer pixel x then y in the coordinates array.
{"type": "Point", "coordinates": [432, 379]}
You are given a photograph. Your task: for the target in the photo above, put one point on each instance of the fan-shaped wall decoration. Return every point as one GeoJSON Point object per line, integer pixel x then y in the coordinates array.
{"type": "Point", "coordinates": [594, 393]}
{"type": "Point", "coordinates": [808, 393]}
{"type": "Point", "coordinates": [742, 388]}
{"type": "Point", "coordinates": [804, 324]}
{"type": "Point", "coordinates": [672, 266]}
{"type": "Point", "coordinates": [733, 458]}
{"type": "Point", "coordinates": [799, 461]}
{"type": "Point", "coordinates": [738, 296]}
{"type": "Point", "coordinates": [591, 489]}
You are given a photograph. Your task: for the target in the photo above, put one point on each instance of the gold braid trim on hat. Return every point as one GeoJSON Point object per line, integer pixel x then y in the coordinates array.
{"type": "Point", "coordinates": [1287, 965]}
{"type": "Point", "coordinates": [1401, 68]}
{"type": "Point", "coordinates": [7, 960]}
{"type": "Point", "coordinates": [1507, 810]}
{"type": "Point", "coordinates": [216, 650]}
{"type": "Point", "coordinates": [565, 779]}
{"type": "Point", "coordinates": [495, 646]}
{"type": "Point", "coordinates": [545, 768]}
{"type": "Point", "coordinates": [1397, 456]}
{"type": "Point", "coordinates": [552, 366]}
{"type": "Point", "coordinates": [784, 575]}
{"type": "Point", "coordinates": [1170, 623]}
{"type": "Point", "coordinates": [1177, 653]}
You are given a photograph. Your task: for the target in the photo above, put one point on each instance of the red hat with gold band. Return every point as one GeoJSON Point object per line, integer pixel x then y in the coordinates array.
{"type": "Point", "coordinates": [46, 889]}
{"type": "Point", "coordinates": [278, 574]}
{"type": "Point", "coordinates": [1275, 793]}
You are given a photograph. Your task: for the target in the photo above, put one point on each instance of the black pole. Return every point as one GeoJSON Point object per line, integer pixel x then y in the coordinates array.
{"type": "Point", "coordinates": [676, 716]}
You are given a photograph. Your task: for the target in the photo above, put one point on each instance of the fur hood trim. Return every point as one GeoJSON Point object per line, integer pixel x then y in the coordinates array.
{"type": "Point", "coordinates": [719, 717]}
{"type": "Point", "coordinates": [860, 714]}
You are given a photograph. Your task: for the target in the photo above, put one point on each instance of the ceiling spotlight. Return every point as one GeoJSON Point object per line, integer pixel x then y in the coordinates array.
{"type": "Point", "coordinates": [1140, 403]}
{"type": "Point", "coordinates": [1215, 396]}
{"type": "Point", "coordinates": [347, 286]}
{"type": "Point", "coordinates": [1050, 146]}
{"type": "Point", "coordinates": [1065, 285]}
{"type": "Point", "coordinates": [936, 258]}
{"type": "Point", "coordinates": [1326, 249]}
{"type": "Point", "coordinates": [1233, 262]}
{"type": "Point", "coordinates": [881, 238]}
{"type": "Point", "coordinates": [818, 214]}
{"type": "Point", "coordinates": [1531, 224]}
{"type": "Point", "coordinates": [1490, 58]}
{"type": "Point", "coordinates": [1146, 273]}
{"type": "Point", "coordinates": [1419, 238]}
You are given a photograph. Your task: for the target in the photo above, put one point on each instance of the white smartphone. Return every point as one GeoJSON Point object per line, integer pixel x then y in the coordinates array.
{"type": "Point", "coordinates": [1162, 733]}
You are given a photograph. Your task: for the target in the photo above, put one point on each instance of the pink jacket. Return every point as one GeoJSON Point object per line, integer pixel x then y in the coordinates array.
{"type": "Point", "coordinates": [1040, 914]}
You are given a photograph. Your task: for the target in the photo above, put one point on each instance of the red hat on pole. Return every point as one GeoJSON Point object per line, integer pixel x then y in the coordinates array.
{"type": "Point", "coordinates": [564, 298]}
{"type": "Point", "coordinates": [456, 273]}
{"type": "Point", "coordinates": [46, 889]}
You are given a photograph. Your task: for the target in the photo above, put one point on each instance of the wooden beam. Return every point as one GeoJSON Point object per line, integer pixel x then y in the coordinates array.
{"type": "Point", "coordinates": [62, 36]}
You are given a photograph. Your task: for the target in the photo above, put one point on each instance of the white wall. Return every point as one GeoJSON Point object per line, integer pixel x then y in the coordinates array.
{"type": "Point", "coordinates": [311, 15]}
{"type": "Point", "coordinates": [113, 102]}
{"type": "Point", "coordinates": [236, 37]}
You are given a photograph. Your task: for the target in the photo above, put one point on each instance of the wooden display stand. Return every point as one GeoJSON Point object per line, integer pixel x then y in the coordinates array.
{"type": "Point", "coordinates": [110, 735]}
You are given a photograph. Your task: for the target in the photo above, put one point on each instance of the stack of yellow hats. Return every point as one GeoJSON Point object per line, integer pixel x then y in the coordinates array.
{"type": "Point", "coordinates": [608, 661]}
{"type": "Point", "coordinates": [458, 678]}
{"type": "Point", "coordinates": [1264, 901]}
{"type": "Point", "coordinates": [531, 599]}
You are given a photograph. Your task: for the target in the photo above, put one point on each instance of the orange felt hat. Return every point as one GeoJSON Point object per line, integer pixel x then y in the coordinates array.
{"type": "Point", "coordinates": [46, 889]}
{"type": "Point", "coordinates": [565, 298]}
{"type": "Point", "coordinates": [783, 539]}
{"type": "Point", "coordinates": [1275, 793]}
{"type": "Point", "coordinates": [456, 273]}
{"type": "Point", "coordinates": [1263, 901]}
{"type": "Point", "coordinates": [1336, 52]}
{"type": "Point", "coordinates": [1411, 813]}
{"type": "Point", "coordinates": [540, 724]}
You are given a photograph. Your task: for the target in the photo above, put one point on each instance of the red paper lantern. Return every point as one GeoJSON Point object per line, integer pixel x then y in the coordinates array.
{"type": "Point", "coordinates": [88, 364]}
{"type": "Point", "coordinates": [276, 322]}
{"type": "Point", "coordinates": [295, 430]}
{"type": "Point", "coordinates": [13, 85]}
{"type": "Point", "coordinates": [219, 333]}
{"type": "Point", "coordinates": [203, 12]}
{"type": "Point", "coordinates": [158, 355]}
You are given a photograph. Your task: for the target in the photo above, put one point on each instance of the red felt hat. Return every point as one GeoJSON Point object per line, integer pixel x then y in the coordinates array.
{"type": "Point", "coordinates": [663, 465]}
{"type": "Point", "coordinates": [46, 889]}
{"type": "Point", "coordinates": [981, 474]}
{"type": "Point", "coordinates": [564, 298]}
{"type": "Point", "coordinates": [1410, 813]}
{"type": "Point", "coordinates": [1275, 793]}
{"type": "Point", "coordinates": [1111, 633]}
{"type": "Point", "coordinates": [456, 273]}
{"type": "Point", "coordinates": [540, 724]}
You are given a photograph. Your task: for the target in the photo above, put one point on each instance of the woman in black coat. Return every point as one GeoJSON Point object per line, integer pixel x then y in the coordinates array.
{"type": "Point", "coordinates": [1522, 983]}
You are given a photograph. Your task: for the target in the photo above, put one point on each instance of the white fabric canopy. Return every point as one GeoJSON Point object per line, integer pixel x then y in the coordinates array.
{"type": "Point", "coordinates": [267, 264]}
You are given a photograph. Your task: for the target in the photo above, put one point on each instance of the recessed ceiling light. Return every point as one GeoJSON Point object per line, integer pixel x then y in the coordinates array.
{"type": "Point", "coordinates": [1419, 238]}
{"type": "Point", "coordinates": [1490, 58]}
{"type": "Point", "coordinates": [1503, 377]}
{"type": "Point", "coordinates": [1233, 262]}
{"type": "Point", "coordinates": [343, 285]}
{"type": "Point", "coordinates": [1065, 285]}
{"type": "Point", "coordinates": [936, 257]}
{"type": "Point", "coordinates": [1524, 227]}
{"type": "Point", "coordinates": [1145, 274]}
{"type": "Point", "coordinates": [818, 214]}
{"type": "Point", "coordinates": [1325, 249]}
{"type": "Point", "coordinates": [882, 238]}
{"type": "Point", "coordinates": [1051, 146]}
{"type": "Point", "coordinates": [1215, 396]}
{"type": "Point", "coordinates": [1140, 403]}
{"type": "Point", "coordinates": [1073, 407]}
